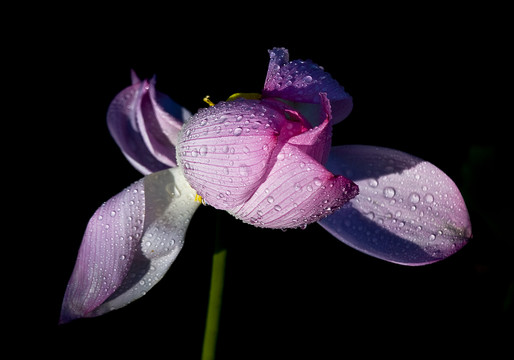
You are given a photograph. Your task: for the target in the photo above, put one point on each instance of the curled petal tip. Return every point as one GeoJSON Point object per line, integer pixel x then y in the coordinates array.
{"type": "Point", "coordinates": [301, 82]}
{"type": "Point", "coordinates": [145, 125]}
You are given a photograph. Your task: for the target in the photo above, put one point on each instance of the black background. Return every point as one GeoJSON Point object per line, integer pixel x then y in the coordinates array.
{"type": "Point", "coordinates": [424, 80]}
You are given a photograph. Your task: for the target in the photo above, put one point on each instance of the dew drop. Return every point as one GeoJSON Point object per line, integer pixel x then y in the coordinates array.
{"type": "Point", "coordinates": [270, 199]}
{"type": "Point", "coordinates": [429, 198]}
{"type": "Point", "coordinates": [307, 79]}
{"type": "Point", "coordinates": [389, 192]}
{"type": "Point", "coordinates": [373, 183]}
{"type": "Point", "coordinates": [244, 170]}
{"type": "Point", "coordinates": [317, 181]}
{"type": "Point", "coordinates": [203, 150]}
{"type": "Point", "coordinates": [277, 208]}
{"type": "Point", "coordinates": [113, 213]}
{"type": "Point", "coordinates": [238, 131]}
{"type": "Point", "coordinates": [414, 198]}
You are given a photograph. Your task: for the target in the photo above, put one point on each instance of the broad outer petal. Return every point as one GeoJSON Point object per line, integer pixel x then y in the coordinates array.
{"type": "Point", "coordinates": [225, 149]}
{"type": "Point", "coordinates": [297, 192]}
{"type": "Point", "coordinates": [408, 211]}
{"type": "Point", "coordinates": [302, 81]}
{"type": "Point", "coordinates": [129, 244]}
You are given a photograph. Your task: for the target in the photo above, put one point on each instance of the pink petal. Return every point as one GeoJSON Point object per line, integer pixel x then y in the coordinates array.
{"type": "Point", "coordinates": [225, 150]}
{"type": "Point", "coordinates": [129, 244]}
{"type": "Point", "coordinates": [302, 81]}
{"type": "Point", "coordinates": [145, 123]}
{"type": "Point", "coordinates": [317, 142]}
{"type": "Point", "coordinates": [297, 192]}
{"type": "Point", "coordinates": [408, 211]}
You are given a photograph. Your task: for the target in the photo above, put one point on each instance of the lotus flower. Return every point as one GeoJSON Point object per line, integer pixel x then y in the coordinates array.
{"type": "Point", "coordinates": [266, 159]}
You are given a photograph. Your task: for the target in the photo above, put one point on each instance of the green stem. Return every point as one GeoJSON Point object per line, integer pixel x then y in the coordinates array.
{"type": "Point", "coordinates": [215, 298]}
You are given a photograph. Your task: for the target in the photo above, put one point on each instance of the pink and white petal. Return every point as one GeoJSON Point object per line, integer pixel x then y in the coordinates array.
{"type": "Point", "coordinates": [123, 126]}
{"type": "Point", "coordinates": [129, 245]}
{"type": "Point", "coordinates": [169, 205]}
{"type": "Point", "coordinates": [106, 254]}
{"type": "Point", "coordinates": [224, 150]}
{"type": "Point", "coordinates": [297, 192]}
{"type": "Point", "coordinates": [302, 81]}
{"type": "Point", "coordinates": [160, 120]}
{"type": "Point", "coordinates": [408, 211]}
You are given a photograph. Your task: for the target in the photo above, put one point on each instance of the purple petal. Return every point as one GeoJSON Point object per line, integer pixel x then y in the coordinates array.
{"type": "Point", "coordinates": [297, 192]}
{"type": "Point", "coordinates": [160, 120]}
{"type": "Point", "coordinates": [129, 244]}
{"type": "Point", "coordinates": [145, 124]}
{"type": "Point", "coordinates": [225, 149]}
{"type": "Point", "coordinates": [407, 212]}
{"type": "Point", "coordinates": [302, 81]}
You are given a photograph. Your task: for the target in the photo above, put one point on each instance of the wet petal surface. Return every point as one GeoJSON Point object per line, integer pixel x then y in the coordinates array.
{"type": "Point", "coordinates": [408, 211]}
{"type": "Point", "coordinates": [301, 81]}
{"type": "Point", "coordinates": [129, 244]}
{"type": "Point", "coordinates": [225, 150]}
{"type": "Point", "coordinates": [297, 192]}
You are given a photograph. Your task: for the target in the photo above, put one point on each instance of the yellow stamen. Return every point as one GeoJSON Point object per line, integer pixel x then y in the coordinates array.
{"type": "Point", "coordinates": [208, 101]}
{"type": "Point", "coordinates": [198, 198]}
{"type": "Point", "coordinates": [248, 96]}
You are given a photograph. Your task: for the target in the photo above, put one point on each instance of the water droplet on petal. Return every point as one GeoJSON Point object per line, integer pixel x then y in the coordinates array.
{"type": "Point", "coordinates": [389, 192]}
{"type": "Point", "coordinates": [307, 79]}
{"type": "Point", "coordinates": [373, 183]}
{"type": "Point", "coordinates": [414, 198]}
{"type": "Point", "coordinates": [244, 170]}
{"type": "Point", "coordinates": [270, 199]}
{"type": "Point", "coordinates": [113, 213]}
{"type": "Point", "coordinates": [429, 198]}
{"type": "Point", "coordinates": [238, 131]}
